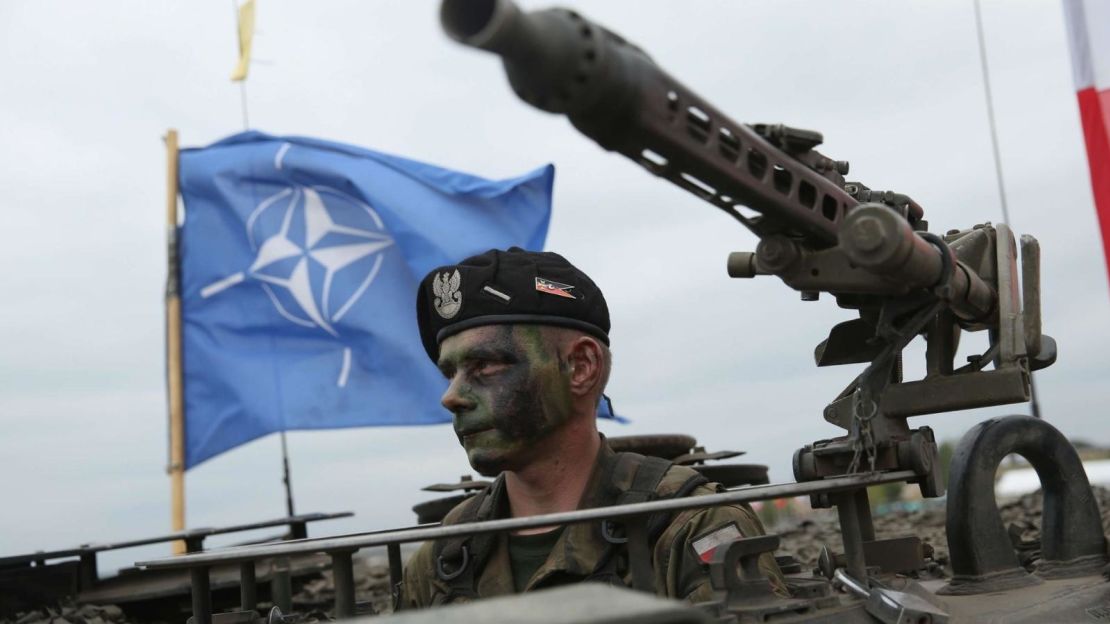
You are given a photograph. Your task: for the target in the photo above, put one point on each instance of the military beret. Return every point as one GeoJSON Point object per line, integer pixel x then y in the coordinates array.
{"type": "Point", "coordinates": [513, 286]}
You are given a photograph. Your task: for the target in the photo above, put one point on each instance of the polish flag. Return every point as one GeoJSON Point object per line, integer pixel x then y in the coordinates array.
{"type": "Point", "coordinates": [1088, 24]}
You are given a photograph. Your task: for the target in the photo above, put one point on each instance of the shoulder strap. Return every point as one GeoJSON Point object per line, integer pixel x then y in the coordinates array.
{"type": "Point", "coordinates": [649, 473]}
{"type": "Point", "coordinates": [458, 560]}
{"type": "Point", "coordinates": [659, 521]}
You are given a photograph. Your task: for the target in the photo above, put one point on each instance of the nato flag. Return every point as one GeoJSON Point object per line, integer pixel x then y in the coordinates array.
{"type": "Point", "coordinates": [300, 261]}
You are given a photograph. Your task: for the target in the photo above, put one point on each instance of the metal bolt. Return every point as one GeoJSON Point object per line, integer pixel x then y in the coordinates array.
{"type": "Point", "coordinates": [842, 167]}
{"type": "Point", "coordinates": [773, 250]}
{"type": "Point", "coordinates": [776, 253]}
{"type": "Point", "coordinates": [810, 295]}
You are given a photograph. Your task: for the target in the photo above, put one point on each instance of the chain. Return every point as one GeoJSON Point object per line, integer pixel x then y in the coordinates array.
{"type": "Point", "coordinates": [864, 411]}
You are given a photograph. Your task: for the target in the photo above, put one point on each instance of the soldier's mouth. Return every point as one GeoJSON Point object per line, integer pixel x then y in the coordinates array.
{"type": "Point", "coordinates": [472, 432]}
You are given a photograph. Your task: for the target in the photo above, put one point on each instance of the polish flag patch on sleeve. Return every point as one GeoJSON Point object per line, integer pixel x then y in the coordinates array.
{"type": "Point", "coordinates": [706, 544]}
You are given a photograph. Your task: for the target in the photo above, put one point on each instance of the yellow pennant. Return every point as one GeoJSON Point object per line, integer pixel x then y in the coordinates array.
{"type": "Point", "coordinates": [246, 34]}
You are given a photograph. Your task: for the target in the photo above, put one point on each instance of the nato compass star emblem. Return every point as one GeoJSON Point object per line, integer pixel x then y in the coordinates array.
{"type": "Point", "coordinates": [317, 250]}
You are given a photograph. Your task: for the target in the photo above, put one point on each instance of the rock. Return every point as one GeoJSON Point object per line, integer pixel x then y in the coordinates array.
{"type": "Point", "coordinates": [69, 612]}
{"type": "Point", "coordinates": [31, 616]}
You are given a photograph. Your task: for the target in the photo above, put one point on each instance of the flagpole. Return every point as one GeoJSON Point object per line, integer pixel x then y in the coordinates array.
{"type": "Point", "coordinates": [286, 479]}
{"type": "Point", "coordinates": [174, 373]}
{"type": "Point", "coordinates": [244, 60]}
{"type": "Point", "coordinates": [1034, 405]}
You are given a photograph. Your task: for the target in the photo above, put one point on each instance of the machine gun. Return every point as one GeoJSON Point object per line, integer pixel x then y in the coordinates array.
{"type": "Point", "coordinates": [818, 232]}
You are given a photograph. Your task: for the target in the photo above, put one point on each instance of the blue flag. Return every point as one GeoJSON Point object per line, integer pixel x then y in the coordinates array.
{"type": "Point", "coordinates": [300, 261]}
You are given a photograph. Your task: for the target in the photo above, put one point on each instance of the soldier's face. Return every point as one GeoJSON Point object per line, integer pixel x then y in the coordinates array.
{"type": "Point", "coordinates": [509, 389]}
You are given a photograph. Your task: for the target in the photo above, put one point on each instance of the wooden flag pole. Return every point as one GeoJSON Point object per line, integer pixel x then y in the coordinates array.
{"type": "Point", "coordinates": [174, 373]}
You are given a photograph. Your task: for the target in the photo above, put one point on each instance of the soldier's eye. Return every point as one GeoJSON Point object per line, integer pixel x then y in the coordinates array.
{"type": "Point", "coordinates": [487, 368]}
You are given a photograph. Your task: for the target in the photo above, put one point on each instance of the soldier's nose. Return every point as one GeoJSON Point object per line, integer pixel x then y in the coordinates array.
{"type": "Point", "coordinates": [454, 401]}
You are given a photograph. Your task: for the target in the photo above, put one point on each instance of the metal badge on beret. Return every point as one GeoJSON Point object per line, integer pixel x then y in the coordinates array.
{"type": "Point", "coordinates": [552, 287]}
{"type": "Point", "coordinates": [448, 299]}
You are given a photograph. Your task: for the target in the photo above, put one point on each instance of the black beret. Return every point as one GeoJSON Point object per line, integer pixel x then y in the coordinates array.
{"type": "Point", "coordinates": [513, 286]}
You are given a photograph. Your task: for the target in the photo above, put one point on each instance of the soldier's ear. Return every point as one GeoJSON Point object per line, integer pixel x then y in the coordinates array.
{"type": "Point", "coordinates": [585, 359]}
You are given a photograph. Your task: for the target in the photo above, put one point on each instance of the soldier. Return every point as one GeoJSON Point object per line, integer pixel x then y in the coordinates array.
{"type": "Point", "coordinates": [523, 339]}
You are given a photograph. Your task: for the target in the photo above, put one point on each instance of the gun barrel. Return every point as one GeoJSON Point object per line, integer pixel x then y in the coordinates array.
{"type": "Point", "coordinates": [498, 27]}
{"type": "Point", "coordinates": [615, 94]}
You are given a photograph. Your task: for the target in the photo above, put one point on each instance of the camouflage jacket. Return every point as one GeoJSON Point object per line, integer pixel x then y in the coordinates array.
{"type": "Point", "coordinates": [679, 571]}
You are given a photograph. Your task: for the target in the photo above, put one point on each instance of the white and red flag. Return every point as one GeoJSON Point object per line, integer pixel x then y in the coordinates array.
{"type": "Point", "coordinates": [1089, 39]}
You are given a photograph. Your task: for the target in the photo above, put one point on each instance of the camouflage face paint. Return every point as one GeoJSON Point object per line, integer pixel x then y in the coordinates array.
{"type": "Point", "coordinates": [509, 390]}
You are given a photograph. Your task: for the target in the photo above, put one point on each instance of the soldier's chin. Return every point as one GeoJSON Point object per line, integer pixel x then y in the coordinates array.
{"type": "Point", "coordinates": [489, 463]}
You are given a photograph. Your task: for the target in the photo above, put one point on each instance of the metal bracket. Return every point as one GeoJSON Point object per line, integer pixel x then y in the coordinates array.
{"type": "Point", "coordinates": [890, 606]}
{"type": "Point", "coordinates": [747, 592]}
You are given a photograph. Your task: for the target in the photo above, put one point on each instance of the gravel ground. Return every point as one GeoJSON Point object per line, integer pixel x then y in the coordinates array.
{"type": "Point", "coordinates": [803, 539]}
{"type": "Point", "coordinates": [372, 594]}
{"type": "Point", "coordinates": [72, 614]}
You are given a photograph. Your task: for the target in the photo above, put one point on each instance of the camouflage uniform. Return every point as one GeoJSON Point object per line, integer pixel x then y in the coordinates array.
{"type": "Point", "coordinates": [582, 553]}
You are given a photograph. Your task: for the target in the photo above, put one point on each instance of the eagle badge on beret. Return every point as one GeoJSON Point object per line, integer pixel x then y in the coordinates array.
{"type": "Point", "coordinates": [448, 299]}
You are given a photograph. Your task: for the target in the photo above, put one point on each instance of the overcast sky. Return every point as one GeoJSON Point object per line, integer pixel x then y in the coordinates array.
{"type": "Point", "coordinates": [88, 89]}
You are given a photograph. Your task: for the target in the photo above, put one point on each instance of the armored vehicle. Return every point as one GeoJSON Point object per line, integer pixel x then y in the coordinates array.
{"type": "Point", "coordinates": [873, 252]}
